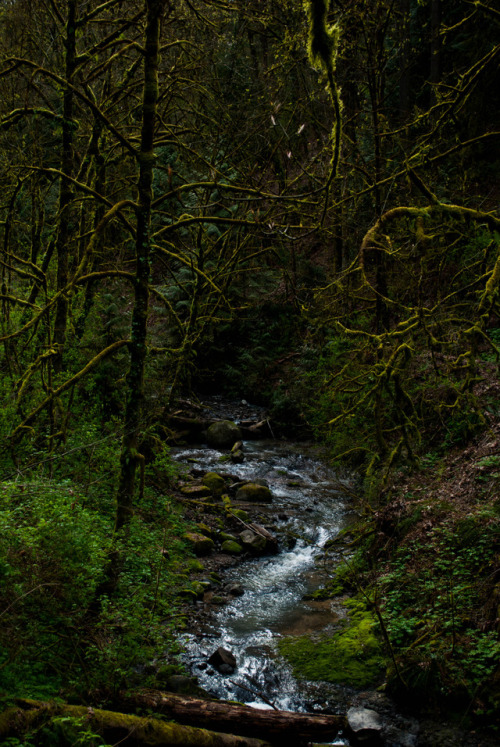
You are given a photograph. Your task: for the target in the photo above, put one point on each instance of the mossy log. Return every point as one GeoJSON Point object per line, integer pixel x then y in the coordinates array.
{"type": "Point", "coordinates": [279, 727]}
{"type": "Point", "coordinates": [115, 728]}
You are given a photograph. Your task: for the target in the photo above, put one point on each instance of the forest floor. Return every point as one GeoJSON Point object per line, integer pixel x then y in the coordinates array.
{"type": "Point", "coordinates": [435, 549]}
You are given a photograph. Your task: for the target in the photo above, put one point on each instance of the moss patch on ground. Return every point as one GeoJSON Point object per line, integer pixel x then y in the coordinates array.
{"type": "Point", "coordinates": [351, 656]}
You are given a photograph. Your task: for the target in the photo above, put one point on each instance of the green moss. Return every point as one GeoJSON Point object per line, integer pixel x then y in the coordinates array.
{"type": "Point", "coordinates": [240, 514]}
{"type": "Point", "coordinates": [231, 547]}
{"type": "Point", "coordinates": [352, 656]}
{"type": "Point", "coordinates": [194, 565]}
{"type": "Point", "coordinates": [215, 483]}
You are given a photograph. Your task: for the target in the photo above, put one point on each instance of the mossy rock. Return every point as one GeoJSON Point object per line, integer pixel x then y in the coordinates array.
{"type": "Point", "coordinates": [199, 588]}
{"type": "Point", "coordinates": [206, 530]}
{"type": "Point", "coordinates": [352, 656]}
{"type": "Point", "coordinates": [194, 565]}
{"type": "Point", "coordinates": [224, 537]}
{"type": "Point", "coordinates": [200, 544]}
{"type": "Point", "coordinates": [231, 547]}
{"type": "Point", "coordinates": [196, 491]}
{"type": "Point", "coordinates": [240, 514]}
{"type": "Point", "coordinates": [215, 483]}
{"type": "Point", "coordinates": [252, 492]}
{"type": "Point", "coordinates": [219, 600]}
{"type": "Point", "coordinates": [223, 434]}
{"type": "Point", "coordinates": [253, 542]}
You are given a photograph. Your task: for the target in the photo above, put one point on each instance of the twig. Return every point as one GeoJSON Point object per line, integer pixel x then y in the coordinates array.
{"type": "Point", "coordinates": [255, 692]}
{"type": "Point", "coordinates": [25, 595]}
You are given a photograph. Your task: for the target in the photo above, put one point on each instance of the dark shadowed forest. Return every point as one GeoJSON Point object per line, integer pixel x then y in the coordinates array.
{"type": "Point", "coordinates": [290, 204]}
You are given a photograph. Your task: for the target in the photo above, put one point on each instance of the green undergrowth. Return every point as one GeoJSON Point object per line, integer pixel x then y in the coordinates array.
{"type": "Point", "coordinates": [54, 545]}
{"type": "Point", "coordinates": [429, 569]}
{"type": "Point", "coordinates": [352, 655]}
{"type": "Point", "coordinates": [440, 603]}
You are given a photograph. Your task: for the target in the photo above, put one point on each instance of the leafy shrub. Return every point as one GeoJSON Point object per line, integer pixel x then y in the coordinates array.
{"type": "Point", "coordinates": [54, 550]}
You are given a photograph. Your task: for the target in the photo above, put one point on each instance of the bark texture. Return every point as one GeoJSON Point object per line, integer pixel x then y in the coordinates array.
{"type": "Point", "coordinates": [278, 727]}
{"type": "Point", "coordinates": [115, 728]}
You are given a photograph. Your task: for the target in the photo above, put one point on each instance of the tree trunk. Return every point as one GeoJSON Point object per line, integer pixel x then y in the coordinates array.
{"type": "Point", "coordinates": [115, 728]}
{"type": "Point", "coordinates": [66, 227]}
{"type": "Point", "coordinates": [279, 727]}
{"type": "Point", "coordinates": [130, 457]}
{"type": "Point", "coordinates": [435, 62]}
{"type": "Point", "coordinates": [405, 58]}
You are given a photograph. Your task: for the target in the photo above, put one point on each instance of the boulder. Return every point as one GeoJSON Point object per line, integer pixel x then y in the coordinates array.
{"type": "Point", "coordinates": [199, 588]}
{"type": "Point", "coordinates": [223, 661]}
{"type": "Point", "coordinates": [252, 492]}
{"type": "Point", "coordinates": [200, 544]}
{"type": "Point", "coordinates": [240, 514]}
{"type": "Point", "coordinates": [237, 457]}
{"type": "Point", "coordinates": [235, 590]}
{"type": "Point", "coordinates": [365, 725]}
{"type": "Point", "coordinates": [223, 434]}
{"type": "Point", "coordinates": [219, 599]}
{"type": "Point", "coordinates": [231, 547]}
{"type": "Point", "coordinates": [271, 540]}
{"type": "Point", "coordinates": [205, 529]}
{"type": "Point", "coordinates": [196, 491]}
{"type": "Point", "coordinates": [215, 483]}
{"type": "Point", "coordinates": [253, 542]}
{"type": "Point", "coordinates": [224, 537]}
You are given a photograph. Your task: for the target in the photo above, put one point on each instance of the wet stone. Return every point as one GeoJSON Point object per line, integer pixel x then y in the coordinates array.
{"type": "Point", "coordinates": [235, 590]}
{"type": "Point", "coordinates": [365, 724]}
{"type": "Point", "coordinates": [253, 542]}
{"type": "Point", "coordinates": [223, 661]}
{"type": "Point", "coordinates": [253, 492]}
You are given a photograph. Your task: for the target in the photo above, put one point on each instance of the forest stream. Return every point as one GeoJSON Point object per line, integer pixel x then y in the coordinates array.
{"type": "Point", "coordinates": [307, 510]}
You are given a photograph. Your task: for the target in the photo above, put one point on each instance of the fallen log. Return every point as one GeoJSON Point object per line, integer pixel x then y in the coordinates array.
{"type": "Point", "coordinates": [115, 728]}
{"type": "Point", "coordinates": [278, 727]}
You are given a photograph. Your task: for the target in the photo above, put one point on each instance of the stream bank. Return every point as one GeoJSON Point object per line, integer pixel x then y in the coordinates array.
{"type": "Point", "coordinates": [274, 599]}
{"type": "Point", "coordinates": [261, 671]}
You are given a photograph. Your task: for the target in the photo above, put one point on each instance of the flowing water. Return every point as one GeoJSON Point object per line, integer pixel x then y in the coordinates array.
{"type": "Point", "coordinates": [308, 507]}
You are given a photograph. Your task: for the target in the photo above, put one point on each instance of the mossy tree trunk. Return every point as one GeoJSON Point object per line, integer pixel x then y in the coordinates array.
{"type": "Point", "coordinates": [130, 457]}
{"type": "Point", "coordinates": [70, 725]}
{"type": "Point", "coordinates": [66, 227]}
